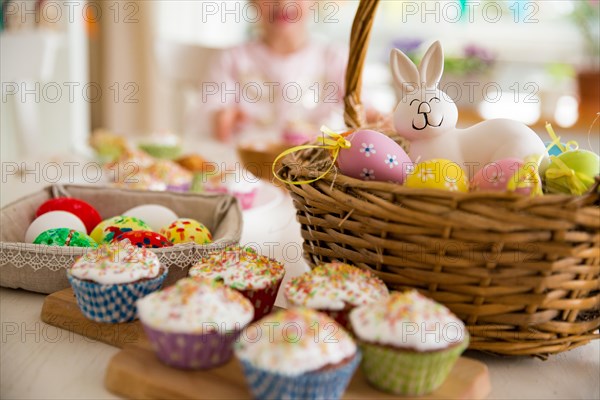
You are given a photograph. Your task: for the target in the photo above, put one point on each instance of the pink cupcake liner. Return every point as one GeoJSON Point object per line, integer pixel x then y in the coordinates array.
{"type": "Point", "coordinates": [246, 199]}
{"type": "Point", "coordinates": [192, 350]}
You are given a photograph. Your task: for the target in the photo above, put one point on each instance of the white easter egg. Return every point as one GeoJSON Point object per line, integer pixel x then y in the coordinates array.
{"type": "Point", "coordinates": [53, 220]}
{"type": "Point", "coordinates": [155, 215]}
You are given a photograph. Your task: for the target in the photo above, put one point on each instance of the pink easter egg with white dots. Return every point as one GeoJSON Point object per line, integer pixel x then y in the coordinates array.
{"type": "Point", "coordinates": [374, 157]}
{"type": "Point", "coordinates": [495, 177]}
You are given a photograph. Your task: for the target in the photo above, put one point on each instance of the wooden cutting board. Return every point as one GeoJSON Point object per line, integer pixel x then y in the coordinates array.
{"type": "Point", "coordinates": [136, 373]}
{"type": "Point", "coordinates": [60, 309]}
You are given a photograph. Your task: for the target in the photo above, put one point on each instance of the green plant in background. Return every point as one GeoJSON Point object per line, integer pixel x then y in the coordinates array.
{"type": "Point", "coordinates": [475, 60]}
{"type": "Point", "coordinates": [586, 15]}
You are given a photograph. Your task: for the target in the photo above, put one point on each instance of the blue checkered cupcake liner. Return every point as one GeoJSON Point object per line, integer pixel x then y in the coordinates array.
{"type": "Point", "coordinates": [112, 303]}
{"type": "Point", "coordinates": [329, 384]}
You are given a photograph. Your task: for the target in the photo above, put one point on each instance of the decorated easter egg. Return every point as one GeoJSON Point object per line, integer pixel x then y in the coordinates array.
{"type": "Point", "coordinates": [144, 239]}
{"type": "Point", "coordinates": [438, 174]}
{"type": "Point", "coordinates": [186, 230]}
{"type": "Point", "coordinates": [80, 208]}
{"type": "Point", "coordinates": [65, 237]}
{"type": "Point", "coordinates": [52, 220]}
{"type": "Point", "coordinates": [155, 215]}
{"type": "Point", "coordinates": [87, 213]}
{"type": "Point", "coordinates": [554, 150]}
{"type": "Point", "coordinates": [108, 229]}
{"type": "Point", "coordinates": [572, 172]}
{"type": "Point", "coordinates": [373, 156]}
{"type": "Point", "coordinates": [502, 176]}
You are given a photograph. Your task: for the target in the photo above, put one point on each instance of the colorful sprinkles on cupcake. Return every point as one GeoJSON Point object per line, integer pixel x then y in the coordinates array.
{"type": "Point", "coordinates": [239, 268]}
{"type": "Point", "coordinates": [116, 263]}
{"type": "Point", "coordinates": [333, 286]}
{"type": "Point", "coordinates": [295, 341]}
{"type": "Point", "coordinates": [408, 320]}
{"type": "Point", "coordinates": [195, 305]}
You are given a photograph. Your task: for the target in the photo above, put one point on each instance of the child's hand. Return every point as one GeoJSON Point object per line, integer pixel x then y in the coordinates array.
{"type": "Point", "coordinates": [228, 121]}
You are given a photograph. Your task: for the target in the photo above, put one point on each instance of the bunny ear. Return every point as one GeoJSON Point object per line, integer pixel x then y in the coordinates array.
{"type": "Point", "coordinates": [404, 71]}
{"type": "Point", "coordinates": [432, 65]}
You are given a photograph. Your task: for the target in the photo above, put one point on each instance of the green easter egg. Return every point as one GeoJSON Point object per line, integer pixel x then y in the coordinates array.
{"type": "Point", "coordinates": [572, 172]}
{"type": "Point", "coordinates": [65, 237]}
{"type": "Point", "coordinates": [108, 229]}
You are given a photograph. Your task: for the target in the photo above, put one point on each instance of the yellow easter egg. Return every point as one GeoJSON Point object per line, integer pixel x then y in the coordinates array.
{"type": "Point", "coordinates": [184, 230]}
{"type": "Point", "coordinates": [110, 228]}
{"type": "Point", "coordinates": [438, 174]}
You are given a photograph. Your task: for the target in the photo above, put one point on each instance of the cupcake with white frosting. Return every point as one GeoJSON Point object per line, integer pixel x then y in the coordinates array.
{"type": "Point", "coordinates": [194, 323]}
{"type": "Point", "coordinates": [409, 342]}
{"type": "Point", "coordinates": [335, 289]}
{"type": "Point", "coordinates": [297, 353]}
{"type": "Point", "coordinates": [255, 276]}
{"type": "Point", "coordinates": [109, 280]}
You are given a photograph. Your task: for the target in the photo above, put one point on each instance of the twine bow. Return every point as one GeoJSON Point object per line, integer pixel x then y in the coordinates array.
{"type": "Point", "coordinates": [330, 141]}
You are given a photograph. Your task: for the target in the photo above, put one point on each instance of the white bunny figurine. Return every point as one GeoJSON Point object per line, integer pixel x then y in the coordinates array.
{"type": "Point", "coordinates": [427, 117]}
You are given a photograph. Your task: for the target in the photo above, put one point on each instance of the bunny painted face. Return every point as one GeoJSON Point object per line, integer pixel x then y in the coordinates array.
{"type": "Point", "coordinates": [424, 111]}
{"type": "Point", "coordinates": [427, 117]}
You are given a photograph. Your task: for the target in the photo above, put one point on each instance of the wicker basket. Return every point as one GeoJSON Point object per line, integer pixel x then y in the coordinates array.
{"type": "Point", "coordinates": [41, 268]}
{"type": "Point", "coordinates": [523, 273]}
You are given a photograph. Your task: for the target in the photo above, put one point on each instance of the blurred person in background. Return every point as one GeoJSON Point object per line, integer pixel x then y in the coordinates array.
{"type": "Point", "coordinates": [282, 83]}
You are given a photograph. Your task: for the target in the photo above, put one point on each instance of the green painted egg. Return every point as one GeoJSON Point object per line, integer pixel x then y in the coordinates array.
{"type": "Point", "coordinates": [65, 237]}
{"type": "Point", "coordinates": [572, 172]}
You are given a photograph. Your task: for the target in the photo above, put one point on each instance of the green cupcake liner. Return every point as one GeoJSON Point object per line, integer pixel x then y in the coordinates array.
{"type": "Point", "coordinates": [161, 151]}
{"type": "Point", "coordinates": [408, 373]}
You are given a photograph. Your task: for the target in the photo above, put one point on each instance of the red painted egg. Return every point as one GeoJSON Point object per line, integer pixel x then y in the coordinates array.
{"type": "Point", "coordinates": [86, 213]}
{"type": "Point", "coordinates": [144, 239]}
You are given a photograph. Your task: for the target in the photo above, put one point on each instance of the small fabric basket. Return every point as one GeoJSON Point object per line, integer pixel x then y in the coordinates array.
{"type": "Point", "coordinates": [41, 268]}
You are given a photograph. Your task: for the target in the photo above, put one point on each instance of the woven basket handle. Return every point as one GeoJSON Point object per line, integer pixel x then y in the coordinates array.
{"type": "Point", "coordinates": [354, 115]}
{"type": "Point", "coordinates": [59, 190]}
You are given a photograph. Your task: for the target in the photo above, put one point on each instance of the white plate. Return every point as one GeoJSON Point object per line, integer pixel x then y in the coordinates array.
{"type": "Point", "coordinates": [267, 198]}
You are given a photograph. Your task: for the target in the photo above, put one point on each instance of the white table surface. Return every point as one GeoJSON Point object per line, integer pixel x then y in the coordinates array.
{"type": "Point", "coordinates": [38, 361]}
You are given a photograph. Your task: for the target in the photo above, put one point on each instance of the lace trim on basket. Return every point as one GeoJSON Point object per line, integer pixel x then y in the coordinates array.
{"type": "Point", "coordinates": [18, 256]}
